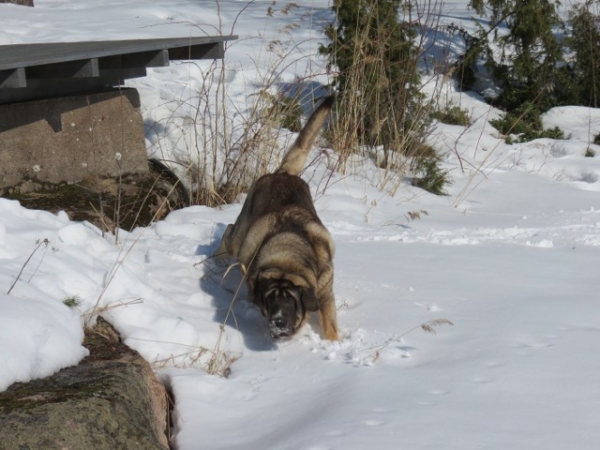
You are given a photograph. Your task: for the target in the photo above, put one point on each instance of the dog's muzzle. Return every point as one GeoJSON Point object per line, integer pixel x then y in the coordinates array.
{"type": "Point", "coordinates": [280, 328]}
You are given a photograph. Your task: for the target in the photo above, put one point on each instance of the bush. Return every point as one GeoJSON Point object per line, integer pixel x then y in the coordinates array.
{"type": "Point", "coordinates": [285, 112]}
{"type": "Point", "coordinates": [378, 102]}
{"type": "Point", "coordinates": [584, 42]}
{"type": "Point", "coordinates": [453, 115]}
{"type": "Point", "coordinates": [526, 122]}
{"type": "Point", "coordinates": [552, 133]}
{"type": "Point", "coordinates": [429, 175]}
{"type": "Point", "coordinates": [466, 65]}
{"type": "Point", "coordinates": [379, 107]}
{"type": "Point", "coordinates": [529, 66]}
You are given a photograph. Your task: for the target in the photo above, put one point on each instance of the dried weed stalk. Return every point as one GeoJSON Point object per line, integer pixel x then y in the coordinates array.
{"type": "Point", "coordinates": [427, 327]}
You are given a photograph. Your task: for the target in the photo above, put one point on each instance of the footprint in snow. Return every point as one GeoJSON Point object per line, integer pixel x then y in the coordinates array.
{"type": "Point", "coordinates": [439, 392]}
{"type": "Point", "coordinates": [373, 423]}
{"type": "Point", "coordinates": [526, 349]}
{"type": "Point", "coordinates": [482, 379]}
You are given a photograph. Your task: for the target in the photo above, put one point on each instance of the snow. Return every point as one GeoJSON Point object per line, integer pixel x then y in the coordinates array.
{"type": "Point", "coordinates": [510, 257]}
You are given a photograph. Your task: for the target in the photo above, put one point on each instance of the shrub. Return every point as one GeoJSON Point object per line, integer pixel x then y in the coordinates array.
{"type": "Point", "coordinates": [284, 111]}
{"type": "Point", "coordinates": [466, 65]}
{"type": "Point", "coordinates": [377, 79]}
{"type": "Point", "coordinates": [528, 68]}
{"type": "Point", "coordinates": [429, 175]}
{"type": "Point", "coordinates": [552, 133]}
{"type": "Point", "coordinates": [379, 107]}
{"type": "Point", "coordinates": [526, 122]}
{"type": "Point", "coordinates": [73, 301]}
{"type": "Point", "coordinates": [453, 115]}
{"type": "Point", "coordinates": [584, 42]}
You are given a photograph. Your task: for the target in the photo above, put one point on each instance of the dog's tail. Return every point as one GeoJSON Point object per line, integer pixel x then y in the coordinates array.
{"type": "Point", "coordinates": [294, 159]}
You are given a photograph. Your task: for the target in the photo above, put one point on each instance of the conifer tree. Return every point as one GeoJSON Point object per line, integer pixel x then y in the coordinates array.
{"type": "Point", "coordinates": [376, 57]}
{"type": "Point", "coordinates": [584, 41]}
{"type": "Point", "coordinates": [528, 68]}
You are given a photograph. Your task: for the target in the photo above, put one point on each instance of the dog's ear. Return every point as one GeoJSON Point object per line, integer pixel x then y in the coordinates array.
{"type": "Point", "coordinates": [309, 299]}
{"type": "Point", "coordinates": [257, 297]}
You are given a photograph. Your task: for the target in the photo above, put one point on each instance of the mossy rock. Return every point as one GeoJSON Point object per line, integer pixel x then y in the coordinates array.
{"type": "Point", "coordinates": [110, 401]}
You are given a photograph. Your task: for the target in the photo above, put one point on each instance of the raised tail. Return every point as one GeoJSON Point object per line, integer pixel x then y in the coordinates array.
{"type": "Point", "coordinates": [294, 159]}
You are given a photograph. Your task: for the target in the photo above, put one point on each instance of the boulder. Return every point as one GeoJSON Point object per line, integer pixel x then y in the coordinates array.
{"type": "Point", "coordinates": [111, 400]}
{"type": "Point", "coordinates": [19, 2]}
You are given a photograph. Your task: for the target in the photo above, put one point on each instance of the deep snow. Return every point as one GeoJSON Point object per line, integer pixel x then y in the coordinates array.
{"type": "Point", "coordinates": [509, 257]}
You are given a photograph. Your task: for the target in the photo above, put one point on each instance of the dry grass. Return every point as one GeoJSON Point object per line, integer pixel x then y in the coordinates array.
{"type": "Point", "coordinates": [427, 327]}
{"type": "Point", "coordinates": [39, 244]}
{"type": "Point", "coordinates": [379, 116]}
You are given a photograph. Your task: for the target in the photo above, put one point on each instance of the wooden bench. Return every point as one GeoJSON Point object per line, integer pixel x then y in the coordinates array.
{"type": "Point", "coordinates": [64, 113]}
{"type": "Point", "coordinates": [32, 71]}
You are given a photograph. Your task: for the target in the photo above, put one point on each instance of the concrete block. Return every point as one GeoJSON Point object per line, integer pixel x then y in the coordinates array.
{"type": "Point", "coordinates": [69, 139]}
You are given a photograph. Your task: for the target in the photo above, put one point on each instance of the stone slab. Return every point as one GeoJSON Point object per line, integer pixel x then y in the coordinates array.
{"type": "Point", "coordinates": [67, 139]}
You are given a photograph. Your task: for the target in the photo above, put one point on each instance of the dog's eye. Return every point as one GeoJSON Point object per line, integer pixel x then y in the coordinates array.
{"type": "Point", "coordinates": [292, 299]}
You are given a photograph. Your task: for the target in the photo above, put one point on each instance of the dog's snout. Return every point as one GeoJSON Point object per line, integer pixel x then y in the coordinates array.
{"type": "Point", "coordinates": [279, 323]}
{"type": "Point", "coordinates": [280, 327]}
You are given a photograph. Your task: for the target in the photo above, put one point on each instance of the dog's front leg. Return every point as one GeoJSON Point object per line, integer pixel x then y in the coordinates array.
{"type": "Point", "coordinates": [328, 317]}
{"type": "Point", "coordinates": [222, 256]}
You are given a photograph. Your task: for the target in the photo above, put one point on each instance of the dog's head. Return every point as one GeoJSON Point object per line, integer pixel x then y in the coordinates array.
{"type": "Point", "coordinates": [284, 304]}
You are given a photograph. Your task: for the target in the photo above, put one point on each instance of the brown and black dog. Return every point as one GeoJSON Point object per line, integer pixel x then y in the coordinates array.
{"type": "Point", "coordinates": [282, 245]}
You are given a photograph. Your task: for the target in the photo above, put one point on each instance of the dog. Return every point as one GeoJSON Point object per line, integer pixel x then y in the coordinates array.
{"type": "Point", "coordinates": [285, 251]}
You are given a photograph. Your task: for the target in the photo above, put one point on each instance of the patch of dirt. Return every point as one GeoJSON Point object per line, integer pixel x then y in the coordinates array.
{"type": "Point", "coordinates": [126, 202]}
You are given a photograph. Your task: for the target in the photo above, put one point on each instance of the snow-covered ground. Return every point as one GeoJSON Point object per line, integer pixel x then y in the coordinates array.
{"type": "Point", "coordinates": [510, 257]}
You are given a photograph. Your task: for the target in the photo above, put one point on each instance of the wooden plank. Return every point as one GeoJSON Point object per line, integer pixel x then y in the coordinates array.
{"type": "Point", "coordinates": [159, 58]}
{"type": "Point", "coordinates": [12, 78]}
{"type": "Point", "coordinates": [30, 71]}
{"type": "Point", "coordinates": [59, 87]}
{"type": "Point", "coordinates": [70, 69]}
{"type": "Point", "coordinates": [203, 51]}
{"type": "Point", "coordinates": [123, 73]}
{"type": "Point", "coordinates": [116, 67]}
{"type": "Point", "coordinates": [27, 55]}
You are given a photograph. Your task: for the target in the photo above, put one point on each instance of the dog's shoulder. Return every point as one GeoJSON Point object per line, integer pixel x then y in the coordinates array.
{"type": "Point", "coordinates": [321, 240]}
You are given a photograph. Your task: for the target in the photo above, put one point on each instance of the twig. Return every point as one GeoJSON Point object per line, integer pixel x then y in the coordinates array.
{"type": "Point", "coordinates": [44, 242]}
{"type": "Point", "coordinates": [428, 327]}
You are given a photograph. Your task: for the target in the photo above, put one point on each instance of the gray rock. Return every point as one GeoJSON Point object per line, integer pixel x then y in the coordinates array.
{"type": "Point", "coordinates": [19, 2]}
{"type": "Point", "coordinates": [111, 400]}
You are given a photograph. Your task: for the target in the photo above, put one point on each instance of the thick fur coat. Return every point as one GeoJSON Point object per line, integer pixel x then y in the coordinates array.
{"type": "Point", "coordinates": [282, 245]}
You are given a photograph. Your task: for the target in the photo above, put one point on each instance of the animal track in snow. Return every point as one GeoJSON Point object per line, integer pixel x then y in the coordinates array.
{"type": "Point", "coordinates": [578, 227]}
{"type": "Point", "coordinates": [493, 364]}
{"type": "Point", "coordinates": [436, 393]}
{"type": "Point", "coordinates": [336, 433]}
{"type": "Point", "coordinates": [532, 345]}
{"type": "Point", "coordinates": [439, 392]}
{"type": "Point", "coordinates": [383, 410]}
{"type": "Point", "coordinates": [373, 423]}
{"type": "Point", "coordinates": [428, 306]}
{"type": "Point", "coordinates": [482, 379]}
